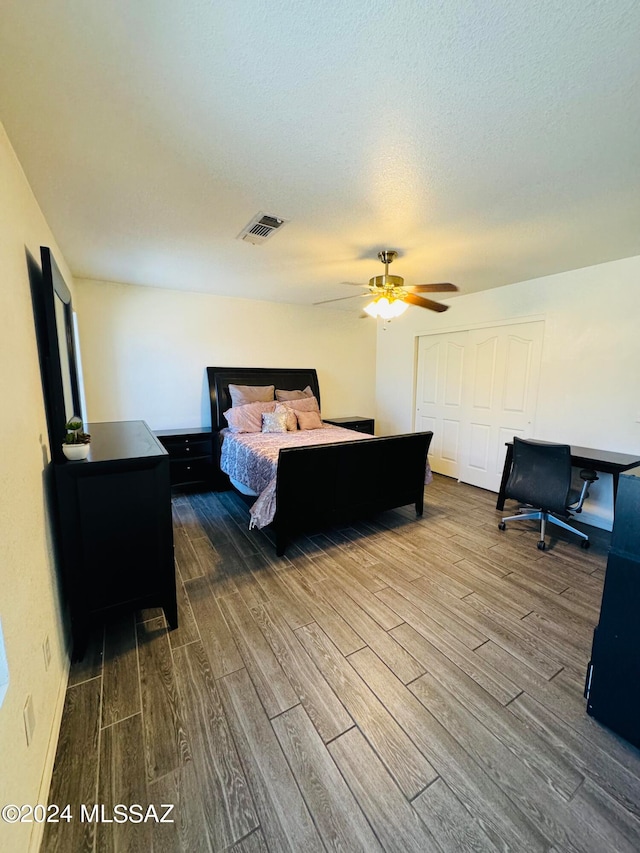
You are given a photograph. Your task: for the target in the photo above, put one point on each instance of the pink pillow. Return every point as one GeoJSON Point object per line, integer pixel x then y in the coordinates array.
{"type": "Point", "coordinates": [309, 404]}
{"type": "Point", "coordinates": [291, 420]}
{"type": "Point", "coordinates": [309, 420]}
{"type": "Point", "coordinates": [243, 394]}
{"type": "Point", "coordinates": [293, 395]}
{"type": "Point", "coordinates": [248, 418]}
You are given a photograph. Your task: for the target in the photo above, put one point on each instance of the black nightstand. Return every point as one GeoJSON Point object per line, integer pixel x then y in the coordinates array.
{"type": "Point", "coordinates": [190, 455]}
{"type": "Point", "coordinates": [355, 422]}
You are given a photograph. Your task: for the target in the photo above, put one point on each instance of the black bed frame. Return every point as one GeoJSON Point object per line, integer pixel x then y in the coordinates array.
{"type": "Point", "coordinates": [346, 480]}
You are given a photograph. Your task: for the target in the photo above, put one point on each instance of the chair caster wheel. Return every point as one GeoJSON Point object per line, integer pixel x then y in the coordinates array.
{"type": "Point", "coordinates": [585, 544]}
{"type": "Point", "coordinates": [541, 545]}
{"type": "Point", "coordinates": [502, 526]}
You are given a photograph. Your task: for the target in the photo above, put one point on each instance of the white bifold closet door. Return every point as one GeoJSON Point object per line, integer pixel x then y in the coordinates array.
{"type": "Point", "coordinates": [439, 397]}
{"type": "Point", "coordinates": [476, 389]}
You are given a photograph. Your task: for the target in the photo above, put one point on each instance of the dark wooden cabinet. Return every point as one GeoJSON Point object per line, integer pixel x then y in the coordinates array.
{"type": "Point", "coordinates": [613, 676]}
{"type": "Point", "coordinates": [190, 455]}
{"type": "Point", "coordinates": [359, 424]}
{"type": "Point", "coordinates": [114, 512]}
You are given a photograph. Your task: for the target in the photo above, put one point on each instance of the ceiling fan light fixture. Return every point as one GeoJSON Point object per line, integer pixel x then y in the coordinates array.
{"type": "Point", "coordinates": [399, 307]}
{"type": "Point", "coordinates": [390, 296]}
{"type": "Point", "coordinates": [372, 309]}
{"type": "Point", "coordinates": [386, 308]}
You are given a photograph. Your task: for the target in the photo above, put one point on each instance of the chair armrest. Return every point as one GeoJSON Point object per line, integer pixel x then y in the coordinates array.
{"type": "Point", "coordinates": [577, 499]}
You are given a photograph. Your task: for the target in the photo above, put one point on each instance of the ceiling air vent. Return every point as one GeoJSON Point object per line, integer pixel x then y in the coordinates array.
{"type": "Point", "coordinates": [261, 228]}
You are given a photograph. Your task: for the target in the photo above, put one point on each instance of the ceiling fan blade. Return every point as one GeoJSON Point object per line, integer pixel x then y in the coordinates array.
{"type": "Point", "coordinates": [440, 287]}
{"type": "Point", "coordinates": [412, 299]}
{"type": "Point", "coordinates": [340, 298]}
{"type": "Point", "coordinates": [354, 283]}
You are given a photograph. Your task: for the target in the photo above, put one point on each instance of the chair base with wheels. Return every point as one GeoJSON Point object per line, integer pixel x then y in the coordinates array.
{"type": "Point", "coordinates": [541, 479]}
{"type": "Point", "coordinates": [543, 517]}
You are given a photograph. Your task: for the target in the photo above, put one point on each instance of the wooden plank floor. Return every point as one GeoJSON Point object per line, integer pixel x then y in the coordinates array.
{"type": "Point", "coordinates": [398, 685]}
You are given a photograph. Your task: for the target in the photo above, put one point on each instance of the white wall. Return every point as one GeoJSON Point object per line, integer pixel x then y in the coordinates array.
{"type": "Point", "coordinates": [589, 391]}
{"type": "Point", "coordinates": [145, 350]}
{"type": "Point", "coordinates": [29, 602]}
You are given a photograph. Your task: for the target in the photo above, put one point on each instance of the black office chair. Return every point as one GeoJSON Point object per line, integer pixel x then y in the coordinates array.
{"type": "Point", "coordinates": [541, 479]}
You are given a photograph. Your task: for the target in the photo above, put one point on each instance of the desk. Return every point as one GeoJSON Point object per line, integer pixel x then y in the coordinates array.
{"type": "Point", "coordinates": [613, 678]}
{"type": "Point", "coordinates": [605, 461]}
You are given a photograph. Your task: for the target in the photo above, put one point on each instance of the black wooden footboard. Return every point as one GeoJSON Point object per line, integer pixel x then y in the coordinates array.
{"type": "Point", "coordinates": [331, 483]}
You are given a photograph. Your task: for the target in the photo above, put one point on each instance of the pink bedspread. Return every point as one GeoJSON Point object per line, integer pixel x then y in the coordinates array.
{"type": "Point", "coordinates": [252, 459]}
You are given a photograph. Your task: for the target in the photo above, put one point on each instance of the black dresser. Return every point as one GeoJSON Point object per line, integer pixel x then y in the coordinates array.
{"type": "Point", "coordinates": [116, 535]}
{"type": "Point", "coordinates": [613, 676]}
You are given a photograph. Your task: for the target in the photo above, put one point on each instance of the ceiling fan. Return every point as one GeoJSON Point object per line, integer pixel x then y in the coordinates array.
{"type": "Point", "coordinates": [391, 296]}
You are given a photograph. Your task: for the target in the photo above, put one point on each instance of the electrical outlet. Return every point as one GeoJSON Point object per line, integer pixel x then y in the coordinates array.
{"type": "Point", "coordinates": [46, 651]}
{"type": "Point", "coordinates": [29, 719]}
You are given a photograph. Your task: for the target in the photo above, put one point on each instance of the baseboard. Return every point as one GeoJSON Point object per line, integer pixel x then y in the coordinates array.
{"type": "Point", "coordinates": [37, 831]}
{"type": "Point", "coordinates": [594, 519]}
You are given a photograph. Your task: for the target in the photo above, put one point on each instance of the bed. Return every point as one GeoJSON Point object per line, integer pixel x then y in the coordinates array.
{"type": "Point", "coordinates": [329, 480]}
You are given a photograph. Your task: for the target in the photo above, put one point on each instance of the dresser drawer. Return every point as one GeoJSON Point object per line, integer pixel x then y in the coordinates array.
{"type": "Point", "coordinates": [178, 448]}
{"type": "Point", "coordinates": [366, 427]}
{"type": "Point", "coordinates": [185, 471]}
{"type": "Point", "coordinates": [355, 422]}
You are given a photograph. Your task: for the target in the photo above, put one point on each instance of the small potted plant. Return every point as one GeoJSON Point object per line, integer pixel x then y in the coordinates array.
{"type": "Point", "coordinates": [76, 441]}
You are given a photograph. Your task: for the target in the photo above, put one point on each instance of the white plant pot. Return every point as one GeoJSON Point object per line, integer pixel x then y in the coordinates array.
{"type": "Point", "coordinates": [76, 451]}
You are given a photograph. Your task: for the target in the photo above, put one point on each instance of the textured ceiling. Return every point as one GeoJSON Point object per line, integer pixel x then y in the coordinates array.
{"type": "Point", "coordinates": [489, 142]}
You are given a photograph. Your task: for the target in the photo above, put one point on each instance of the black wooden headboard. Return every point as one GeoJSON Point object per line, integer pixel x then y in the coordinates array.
{"type": "Point", "coordinates": [221, 377]}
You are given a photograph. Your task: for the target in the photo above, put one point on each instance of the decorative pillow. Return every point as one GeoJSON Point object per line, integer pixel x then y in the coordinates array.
{"type": "Point", "coordinates": [243, 394]}
{"type": "Point", "coordinates": [309, 404]}
{"type": "Point", "coordinates": [291, 421]}
{"type": "Point", "coordinates": [293, 395]}
{"type": "Point", "coordinates": [248, 418]}
{"type": "Point", "coordinates": [309, 420]}
{"type": "Point", "coordinates": [274, 422]}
